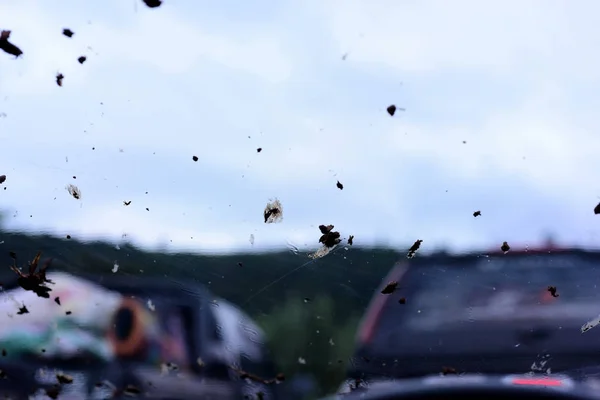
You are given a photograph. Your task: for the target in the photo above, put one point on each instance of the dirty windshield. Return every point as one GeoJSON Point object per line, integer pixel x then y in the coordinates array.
{"type": "Point", "coordinates": [296, 199]}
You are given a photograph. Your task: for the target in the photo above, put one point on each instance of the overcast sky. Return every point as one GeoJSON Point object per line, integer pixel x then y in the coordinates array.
{"type": "Point", "coordinates": [501, 100]}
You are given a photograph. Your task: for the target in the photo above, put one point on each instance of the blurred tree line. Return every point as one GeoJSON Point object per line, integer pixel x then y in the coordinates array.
{"type": "Point", "coordinates": [310, 315]}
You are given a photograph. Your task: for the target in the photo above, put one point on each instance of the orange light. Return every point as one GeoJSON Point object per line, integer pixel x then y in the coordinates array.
{"type": "Point", "coordinates": [537, 382]}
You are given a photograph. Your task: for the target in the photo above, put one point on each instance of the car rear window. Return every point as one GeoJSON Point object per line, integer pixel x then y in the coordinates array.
{"type": "Point", "coordinates": [450, 290]}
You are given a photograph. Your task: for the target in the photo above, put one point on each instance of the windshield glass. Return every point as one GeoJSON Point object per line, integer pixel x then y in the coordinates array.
{"type": "Point", "coordinates": [229, 199]}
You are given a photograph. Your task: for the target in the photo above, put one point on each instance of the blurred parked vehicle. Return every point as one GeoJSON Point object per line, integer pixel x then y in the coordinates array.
{"type": "Point", "coordinates": [499, 313]}
{"type": "Point", "coordinates": [133, 335]}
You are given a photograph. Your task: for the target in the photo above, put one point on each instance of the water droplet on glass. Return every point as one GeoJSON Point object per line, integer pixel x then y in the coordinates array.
{"type": "Point", "coordinates": [292, 247]}
{"type": "Point", "coordinates": [115, 267]}
{"type": "Point", "coordinates": [252, 239]}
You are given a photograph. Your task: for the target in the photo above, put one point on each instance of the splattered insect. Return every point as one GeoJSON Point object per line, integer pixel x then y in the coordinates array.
{"type": "Point", "coordinates": [7, 46]}
{"type": "Point", "coordinates": [390, 288]}
{"type": "Point", "coordinates": [414, 248]}
{"type": "Point", "coordinates": [34, 280]}
{"type": "Point", "coordinates": [273, 212]}
{"type": "Point", "coordinates": [329, 238]}
{"type": "Point", "coordinates": [74, 191]}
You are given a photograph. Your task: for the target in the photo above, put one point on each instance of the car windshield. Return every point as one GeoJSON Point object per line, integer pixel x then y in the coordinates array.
{"type": "Point", "coordinates": [284, 200]}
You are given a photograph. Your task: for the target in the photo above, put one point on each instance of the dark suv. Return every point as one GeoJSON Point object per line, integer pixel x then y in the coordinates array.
{"type": "Point", "coordinates": [493, 313]}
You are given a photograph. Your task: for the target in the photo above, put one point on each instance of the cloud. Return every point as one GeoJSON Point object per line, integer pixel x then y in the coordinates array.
{"type": "Point", "coordinates": [146, 38]}
{"type": "Point", "coordinates": [500, 116]}
{"type": "Point", "coordinates": [435, 37]}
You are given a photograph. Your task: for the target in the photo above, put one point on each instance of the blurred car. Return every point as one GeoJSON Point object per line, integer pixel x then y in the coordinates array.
{"type": "Point", "coordinates": [473, 313]}
{"type": "Point", "coordinates": [108, 337]}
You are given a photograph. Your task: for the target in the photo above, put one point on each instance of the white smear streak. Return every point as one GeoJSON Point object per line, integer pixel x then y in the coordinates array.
{"type": "Point", "coordinates": [590, 324]}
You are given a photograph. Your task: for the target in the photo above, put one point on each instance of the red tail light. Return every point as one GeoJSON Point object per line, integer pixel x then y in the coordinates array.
{"type": "Point", "coordinates": [537, 381]}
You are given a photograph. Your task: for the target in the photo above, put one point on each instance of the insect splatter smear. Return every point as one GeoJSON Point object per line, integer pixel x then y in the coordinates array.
{"type": "Point", "coordinates": [74, 191]}
{"type": "Point", "coordinates": [414, 248]}
{"type": "Point", "coordinates": [329, 238]}
{"type": "Point", "coordinates": [35, 279]}
{"type": "Point", "coordinates": [273, 212]}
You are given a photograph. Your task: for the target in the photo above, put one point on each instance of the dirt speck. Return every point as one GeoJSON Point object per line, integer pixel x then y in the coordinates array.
{"type": "Point", "coordinates": [82, 59]}
{"type": "Point", "coordinates": [152, 3]}
{"type": "Point", "coordinates": [552, 290]}
{"type": "Point", "coordinates": [505, 247]}
{"type": "Point", "coordinates": [59, 79]}
{"type": "Point", "coordinates": [339, 185]}
{"type": "Point", "coordinates": [477, 214]}
{"type": "Point", "coordinates": [68, 33]}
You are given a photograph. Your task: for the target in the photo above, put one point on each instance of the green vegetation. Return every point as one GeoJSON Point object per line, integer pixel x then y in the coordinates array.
{"type": "Point", "coordinates": [310, 316]}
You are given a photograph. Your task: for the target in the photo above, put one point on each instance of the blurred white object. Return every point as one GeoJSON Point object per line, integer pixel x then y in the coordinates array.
{"type": "Point", "coordinates": [590, 324]}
